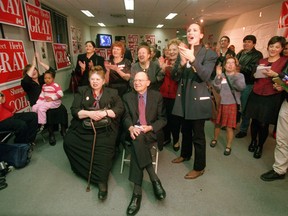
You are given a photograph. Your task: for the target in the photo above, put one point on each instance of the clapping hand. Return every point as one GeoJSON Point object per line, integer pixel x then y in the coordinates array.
{"type": "Point", "coordinates": [82, 65]}
{"type": "Point", "coordinates": [187, 54]}
{"type": "Point", "coordinates": [90, 64]}
{"type": "Point", "coordinates": [218, 70]}
{"type": "Point", "coordinates": [163, 62]}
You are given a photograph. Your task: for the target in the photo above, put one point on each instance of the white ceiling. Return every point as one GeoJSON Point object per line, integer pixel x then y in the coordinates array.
{"type": "Point", "coordinates": [150, 13]}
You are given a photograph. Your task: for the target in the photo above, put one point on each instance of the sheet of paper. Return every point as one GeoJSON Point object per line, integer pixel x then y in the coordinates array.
{"type": "Point", "coordinates": [259, 71]}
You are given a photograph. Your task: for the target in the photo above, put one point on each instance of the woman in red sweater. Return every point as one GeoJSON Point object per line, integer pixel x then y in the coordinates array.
{"type": "Point", "coordinates": [264, 102]}
{"type": "Point", "coordinates": [168, 90]}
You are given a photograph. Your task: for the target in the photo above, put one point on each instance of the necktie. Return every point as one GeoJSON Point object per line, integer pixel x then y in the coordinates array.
{"type": "Point", "coordinates": [141, 108]}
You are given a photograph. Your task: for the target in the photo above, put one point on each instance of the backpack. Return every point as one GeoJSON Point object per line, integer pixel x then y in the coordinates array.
{"type": "Point", "coordinates": [17, 155]}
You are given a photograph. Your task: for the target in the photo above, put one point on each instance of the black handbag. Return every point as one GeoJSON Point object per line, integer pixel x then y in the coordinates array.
{"type": "Point", "coordinates": [102, 123]}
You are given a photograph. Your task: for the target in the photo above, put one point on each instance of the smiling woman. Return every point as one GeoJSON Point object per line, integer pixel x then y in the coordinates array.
{"type": "Point", "coordinates": [192, 101]}
{"type": "Point", "coordinates": [264, 101]}
{"type": "Point", "coordinates": [94, 102]}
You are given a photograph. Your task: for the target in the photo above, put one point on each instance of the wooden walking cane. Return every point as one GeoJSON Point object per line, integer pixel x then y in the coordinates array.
{"type": "Point", "coordinates": [92, 156]}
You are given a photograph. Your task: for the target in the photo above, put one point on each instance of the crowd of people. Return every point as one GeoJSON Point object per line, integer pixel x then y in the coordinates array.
{"type": "Point", "coordinates": [158, 99]}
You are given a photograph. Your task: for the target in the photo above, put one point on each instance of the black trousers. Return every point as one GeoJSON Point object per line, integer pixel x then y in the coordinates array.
{"type": "Point", "coordinates": [140, 156]}
{"type": "Point", "coordinates": [24, 124]}
{"type": "Point", "coordinates": [173, 122]}
{"type": "Point", "coordinates": [193, 135]}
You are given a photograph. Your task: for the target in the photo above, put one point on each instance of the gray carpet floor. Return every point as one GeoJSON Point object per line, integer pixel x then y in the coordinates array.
{"type": "Point", "coordinates": [229, 186]}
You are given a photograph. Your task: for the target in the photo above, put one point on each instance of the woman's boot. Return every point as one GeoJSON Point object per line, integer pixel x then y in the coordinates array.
{"type": "Point", "coordinates": [258, 152]}
{"type": "Point", "coordinates": [253, 145]}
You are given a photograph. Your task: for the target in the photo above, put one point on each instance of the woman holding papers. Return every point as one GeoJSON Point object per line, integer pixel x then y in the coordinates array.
{"type": "Point", "coordinates": [264, 101]}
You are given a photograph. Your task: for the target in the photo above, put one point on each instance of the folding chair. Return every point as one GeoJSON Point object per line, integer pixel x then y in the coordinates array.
{"type": "Point", "coordinates": [5, 135]}
{"type": "Point", "coordinates": [126, 155]}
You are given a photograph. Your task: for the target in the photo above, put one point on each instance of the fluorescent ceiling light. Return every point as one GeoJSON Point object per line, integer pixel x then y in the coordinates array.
{"type": "Point", "coordinates": [87, 13]}
{"type": "Point", "coordinates": [171, 16]}
{"type": "Point", "coordinates": [159, 26]}
{"type": "Point", "coordinates": [129, 4]}
{"type": "Point", "coordinates": [130, 20]}
{"type": "Point", "coordinates": [101, 24]}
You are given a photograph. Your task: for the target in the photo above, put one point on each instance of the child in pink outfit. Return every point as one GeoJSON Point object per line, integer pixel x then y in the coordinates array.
{"type": "Point", "coordinates": [50, 97]}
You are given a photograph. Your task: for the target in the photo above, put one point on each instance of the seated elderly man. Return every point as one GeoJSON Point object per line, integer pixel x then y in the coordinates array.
{"type": "Point", "coordinates": [144, 119]}
{"type": "Point", "coordinates": [23, 124]}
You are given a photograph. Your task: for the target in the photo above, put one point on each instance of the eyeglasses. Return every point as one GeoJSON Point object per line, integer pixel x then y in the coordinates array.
{"type": "Point", "coordinates": [139, 80]}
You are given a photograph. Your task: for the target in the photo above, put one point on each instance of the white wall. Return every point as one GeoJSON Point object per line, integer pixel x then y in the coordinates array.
{"type": "Point", "coordinates": [236, 28]}
{"type": "Point", "coordinates": [160, 34]}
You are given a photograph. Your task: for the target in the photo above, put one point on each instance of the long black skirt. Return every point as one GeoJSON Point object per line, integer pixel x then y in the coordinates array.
{"type": "Point", "coordinates": [265, 109]}
{"type": "Point", "coordinates": [58, 116]}
{"type": "Point", "coordinates": [78, 148]}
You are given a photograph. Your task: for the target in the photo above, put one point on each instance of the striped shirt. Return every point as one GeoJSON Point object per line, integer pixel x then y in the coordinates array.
{"type": "Point", "coordinates": [52, 90]}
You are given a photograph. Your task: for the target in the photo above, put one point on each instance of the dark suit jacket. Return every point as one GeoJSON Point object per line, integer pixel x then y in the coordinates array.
{"type": "Point", "coordinates": [97, 60]}
{"type": "Point", "coordinates": [193, 98]}
{"type": "Point", "coordinates": [155, 113]}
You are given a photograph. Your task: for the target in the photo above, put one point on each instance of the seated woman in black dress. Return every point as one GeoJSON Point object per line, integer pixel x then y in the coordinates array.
{"type": "Point", "coordinates": [78, 141]}
{"type": "Point", "coordinates": [32, 83]}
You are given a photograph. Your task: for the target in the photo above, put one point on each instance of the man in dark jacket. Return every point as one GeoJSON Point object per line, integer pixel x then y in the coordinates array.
{"type": "Point", "coordinates": [248, 61]}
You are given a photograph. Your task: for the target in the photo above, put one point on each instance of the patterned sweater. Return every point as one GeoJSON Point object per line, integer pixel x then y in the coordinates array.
{"type": "Point", "coordinates": [52, 90]}
{"type": "Point", "coordinates": [238, 84]}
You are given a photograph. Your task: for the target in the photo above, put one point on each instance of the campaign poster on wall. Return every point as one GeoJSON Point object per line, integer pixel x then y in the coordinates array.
{"type": "Point", "coordinates": [101, 52]}
{"type": "Point", "coordinates": [283, 20]}
{"type": "Point", "coordinates": [133, 40]}
{"type": "Point", "coordinates": [39, 23]}
{"type": "Point", "coordinates": [150, 37]}
{"type": "Point", "coordinates": [12, 60]}
{"type": "Point", "coordinates": [15, 96]}
{"type": "Point", "coordinates": [12, 13]}
{"type": "Point", "coordinates": [61, 55]}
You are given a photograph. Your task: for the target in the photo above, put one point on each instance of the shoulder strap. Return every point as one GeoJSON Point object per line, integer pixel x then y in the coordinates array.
{"type": "Point", "coordinates": [232, 90]}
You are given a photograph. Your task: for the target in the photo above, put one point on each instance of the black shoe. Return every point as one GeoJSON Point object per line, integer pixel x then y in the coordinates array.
{"type": "Point", "coordinates": [52, 140]}
{"type": "Point", "coordinates": [2, 179]}
{"type": "Point", "coordinates": [213, 143]}
{"type": "Point", "coordinates": [253, 145]}
{"type": "Point", "coordinates": [134, 204]}
{"type": "Point", "coordinates": [258, 152]}
{"type": "Point", "coordinates": [271, 176]}
{"type": "Point", "coordinates": [3, 185]}
{"type": "Point", "coordinates": [158, 190]}
{"type": "Point", "coordinates": [227, 151]}
{"type": "Point", "coordinates": [241, 134]}
{"type": "Point", "coordinates": [102, 195]}
{"type": "Point", "coordinates": [176, 146]}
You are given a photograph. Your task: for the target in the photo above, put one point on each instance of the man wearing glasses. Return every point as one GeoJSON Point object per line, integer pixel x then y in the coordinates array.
{"type": "Point", "coordinates": [144, 119]}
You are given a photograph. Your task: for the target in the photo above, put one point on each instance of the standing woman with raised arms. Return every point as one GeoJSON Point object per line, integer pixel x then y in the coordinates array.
{"type": "Point", "coordinates": [193, 101]}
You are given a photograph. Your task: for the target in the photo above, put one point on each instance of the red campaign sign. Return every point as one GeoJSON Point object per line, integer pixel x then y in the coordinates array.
{"type": "Point", "coordinates": [283, 21]}
{"type": "Point", "coordinates": [133, 38]}
{"type": "Point", "coordinates": [101, 52]}
{"type": "Point", "coordinates": [39, 23]}
{"type": "Point", "coordinates": [109, 53]}
{"type": "Point", "coordinates": [15, 96]}
{"type": "Point", "coordinates": [61, 55]}
{"type": "Point", "coordinates": [12, 13]}
{"type": "Point", "coordinates": [150, 37]}
{"type": "Point", "coordinates": [12, 60]}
